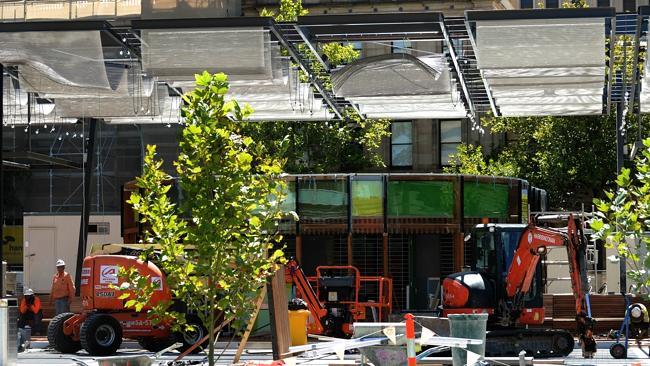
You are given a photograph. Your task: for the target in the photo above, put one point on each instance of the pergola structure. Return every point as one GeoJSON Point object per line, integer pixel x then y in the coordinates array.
{"type": "Point", "coordinates": [555, 62]}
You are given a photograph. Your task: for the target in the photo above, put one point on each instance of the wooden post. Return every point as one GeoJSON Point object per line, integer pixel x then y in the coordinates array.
{"type": "Point", "coordinates": [299, 248]}
{"type": "Point", "coordinates": [385, 252]}
{"type": "Point", "coordinates": [251, 324]}
{"type": "Point", "coordinates": [278, 315]}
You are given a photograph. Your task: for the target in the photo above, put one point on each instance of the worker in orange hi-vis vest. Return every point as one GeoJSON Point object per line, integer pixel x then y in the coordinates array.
{"type": "Point", "coordinates": [62, 289]}
{"type": "Point", "coordinates": [30, 312]}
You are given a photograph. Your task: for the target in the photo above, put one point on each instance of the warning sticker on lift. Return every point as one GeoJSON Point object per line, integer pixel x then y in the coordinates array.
{"type": "Point", "coordinates": [85, 272]}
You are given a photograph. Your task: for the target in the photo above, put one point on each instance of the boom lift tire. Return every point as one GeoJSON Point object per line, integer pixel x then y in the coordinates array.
{"type": "Point", "coordinates": [190, 337]}
{"type": "Point", "coordinates": [101, 335]}
{"type": "Point", "coordinates": [59, 340]}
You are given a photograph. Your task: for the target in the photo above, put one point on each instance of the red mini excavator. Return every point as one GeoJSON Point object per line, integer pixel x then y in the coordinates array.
{"type": "Point", "coordinates": [333, 297]}
{"type": "Point", "coordinates": [506, 283]}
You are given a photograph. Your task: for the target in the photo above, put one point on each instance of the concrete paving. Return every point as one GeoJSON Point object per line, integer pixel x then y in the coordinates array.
{"type": "Point", "coordinates": [40, 355]}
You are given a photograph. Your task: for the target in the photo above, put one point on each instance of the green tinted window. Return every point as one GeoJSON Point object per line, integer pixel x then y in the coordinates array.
{"type": "Point", "coordinates": [367, 198]}
{"type": "Point", "coordinates": [323, 199]}
{"type": "Point", "coordinates": [420, 199]}
{"type": "Point", "coordinates": [485, 200]}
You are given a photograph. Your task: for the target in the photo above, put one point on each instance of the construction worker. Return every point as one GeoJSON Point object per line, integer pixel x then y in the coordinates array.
{"type": "Point", "coordinates": [62, 289]}
{"type": "Point", "coordinates": [30, 312]}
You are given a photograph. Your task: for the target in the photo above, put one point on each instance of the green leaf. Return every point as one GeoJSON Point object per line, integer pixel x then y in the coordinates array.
{"type": "Point", "coordinates": [254, 221]}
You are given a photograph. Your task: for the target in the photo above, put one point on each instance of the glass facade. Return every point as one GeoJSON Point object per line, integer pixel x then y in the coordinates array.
{"type": "Point", "coordinates": [485, 200]}
{"type": "Point", "coordinates": [420, 199]}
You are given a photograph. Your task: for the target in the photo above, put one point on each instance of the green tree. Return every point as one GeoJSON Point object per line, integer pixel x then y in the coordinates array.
{"type": "Point", "coordinates": [623, 219]}
{"type": "Point", "coordinates": [573, 158]}
{"type": "Point", "coordinates": [469, 159]}
{"type": "Point", "coordinates": [234, 191]}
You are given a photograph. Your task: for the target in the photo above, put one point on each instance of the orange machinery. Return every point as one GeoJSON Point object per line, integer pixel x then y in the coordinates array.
{"type": "Point", "coordinates": [333, 297]}
{"type": "Point", "coordinates": [506, 283]}
{"type": "Point", "coordinates": [99, 328]}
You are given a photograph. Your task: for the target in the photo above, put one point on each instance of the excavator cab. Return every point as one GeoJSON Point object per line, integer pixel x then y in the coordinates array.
{"type": "Point", "coordinates": [482, 288]}
{"type": "Point", "coordinates": [493, 247]}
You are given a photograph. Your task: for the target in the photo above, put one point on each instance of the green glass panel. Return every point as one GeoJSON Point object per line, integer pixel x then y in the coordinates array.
{"type": "Point", "coordinates": [485, 200]}
{"type": "Point", "coordinates": [367, 198]}
{"type": "Point", "coordinates": [323, 199]}
{"type": "Point", "coordinates": [420, 199]}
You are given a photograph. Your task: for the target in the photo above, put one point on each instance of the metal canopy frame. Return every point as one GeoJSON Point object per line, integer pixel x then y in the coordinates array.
{"type": "Point", "coordinates": [312, 30]}
{"type": "Point", "coordinates": [381, 27]}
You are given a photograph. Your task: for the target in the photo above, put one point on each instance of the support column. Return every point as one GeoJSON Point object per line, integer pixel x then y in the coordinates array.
{"type": "Point", "coordinates": [350, 252]}
{"type": "Point", "coordinates": [85, 208]}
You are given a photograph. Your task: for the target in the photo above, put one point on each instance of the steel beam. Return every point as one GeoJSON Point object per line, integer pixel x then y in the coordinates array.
{"type": "Point", "coordinates": [305, 38]}
{"type": "Point", "coordinates": [296, 57]}
{"type": "Point", "coordinates": [479, 15]}
{"type": "Point", "coordinates": [201, 23]}
{"type": "Point", "coordinates": [472, 40]}
{"type": "Point", "coordinates": [50, 160]}
{"type": "Point", "coordinates": [85, 211]}
{"type": "Point", "coordinates": [461, 78]}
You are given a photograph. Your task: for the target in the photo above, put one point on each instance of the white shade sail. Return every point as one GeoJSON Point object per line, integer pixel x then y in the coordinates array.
{"type": "Point", "coordinates": [544, 66]}
{"type": "Point", "coordinates": [400, 86]}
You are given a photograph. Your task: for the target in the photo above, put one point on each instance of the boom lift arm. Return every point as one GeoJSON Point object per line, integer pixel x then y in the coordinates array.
{"type": "Point", "coordinates": [294, 274]}
{"type": "Point", "coordinates": [532, 245]}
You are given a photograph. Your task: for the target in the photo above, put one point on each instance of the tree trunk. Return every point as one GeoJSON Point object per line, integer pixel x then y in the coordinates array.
{"type": "Point", "coordinates": [211, 334]}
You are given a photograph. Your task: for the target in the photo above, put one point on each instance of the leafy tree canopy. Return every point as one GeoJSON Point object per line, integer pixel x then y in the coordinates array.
{"type": "Point", "coordinates": [623, 219]}
{"type": "Point", "coordinates": [235, 192]}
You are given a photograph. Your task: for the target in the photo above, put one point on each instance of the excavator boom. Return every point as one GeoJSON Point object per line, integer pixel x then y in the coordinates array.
{"type": "Point", "coordinates": [533, 244]}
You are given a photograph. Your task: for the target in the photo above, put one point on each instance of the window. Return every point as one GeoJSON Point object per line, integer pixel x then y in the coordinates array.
{"type": "Point", "coordinates": [526, 4]}
{"type": "Point", "coordinates": [450, 138]}
{"type": "Point", "coordinates": [629, 6]}
{"type": "Point", "coordinates": [552, 4]}
{"type": "Point", "coordinates": [401, 47]}
{"type": "Point", "coordinates": [401, 144]}
{"type": "Point", "coordinates": [603, 3]}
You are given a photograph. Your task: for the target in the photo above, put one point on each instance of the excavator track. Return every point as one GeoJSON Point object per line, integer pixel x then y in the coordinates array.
{"type": "Point", "coordinates": [538, 343]}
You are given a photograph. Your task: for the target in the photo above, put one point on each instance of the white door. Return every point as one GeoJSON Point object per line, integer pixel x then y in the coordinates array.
{"type": "Point", "coordinates": [40, 258]}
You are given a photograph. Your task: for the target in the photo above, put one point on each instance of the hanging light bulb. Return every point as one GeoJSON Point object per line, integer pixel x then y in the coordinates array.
{"type": "Point", "coordinates": [36, 132]}
{"type": "Point", "coordinates": [75, 135]}
{"type": "Point", "coordinates": [60, 138]}
{"type": "Point", "coordinates": [82, 135]}
{"type": "Point", "coordinates": [52, 130]}
{"type": "Point", "coordinates": [45, 126]}
{"type": "Point", "coordinates": [26, 129]}
{"type": "Point", "coordinates": [67, 133]}
{"type": "Point", "coordinates": [169, 125]}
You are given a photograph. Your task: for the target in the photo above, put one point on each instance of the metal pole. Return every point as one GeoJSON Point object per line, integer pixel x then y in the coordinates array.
{"type": "Point", "coordinates": [85, 207]}
{"type": "Point", "coordinates": [2, 178]}
{"type": "Point", "coordinates": [619, 167]}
